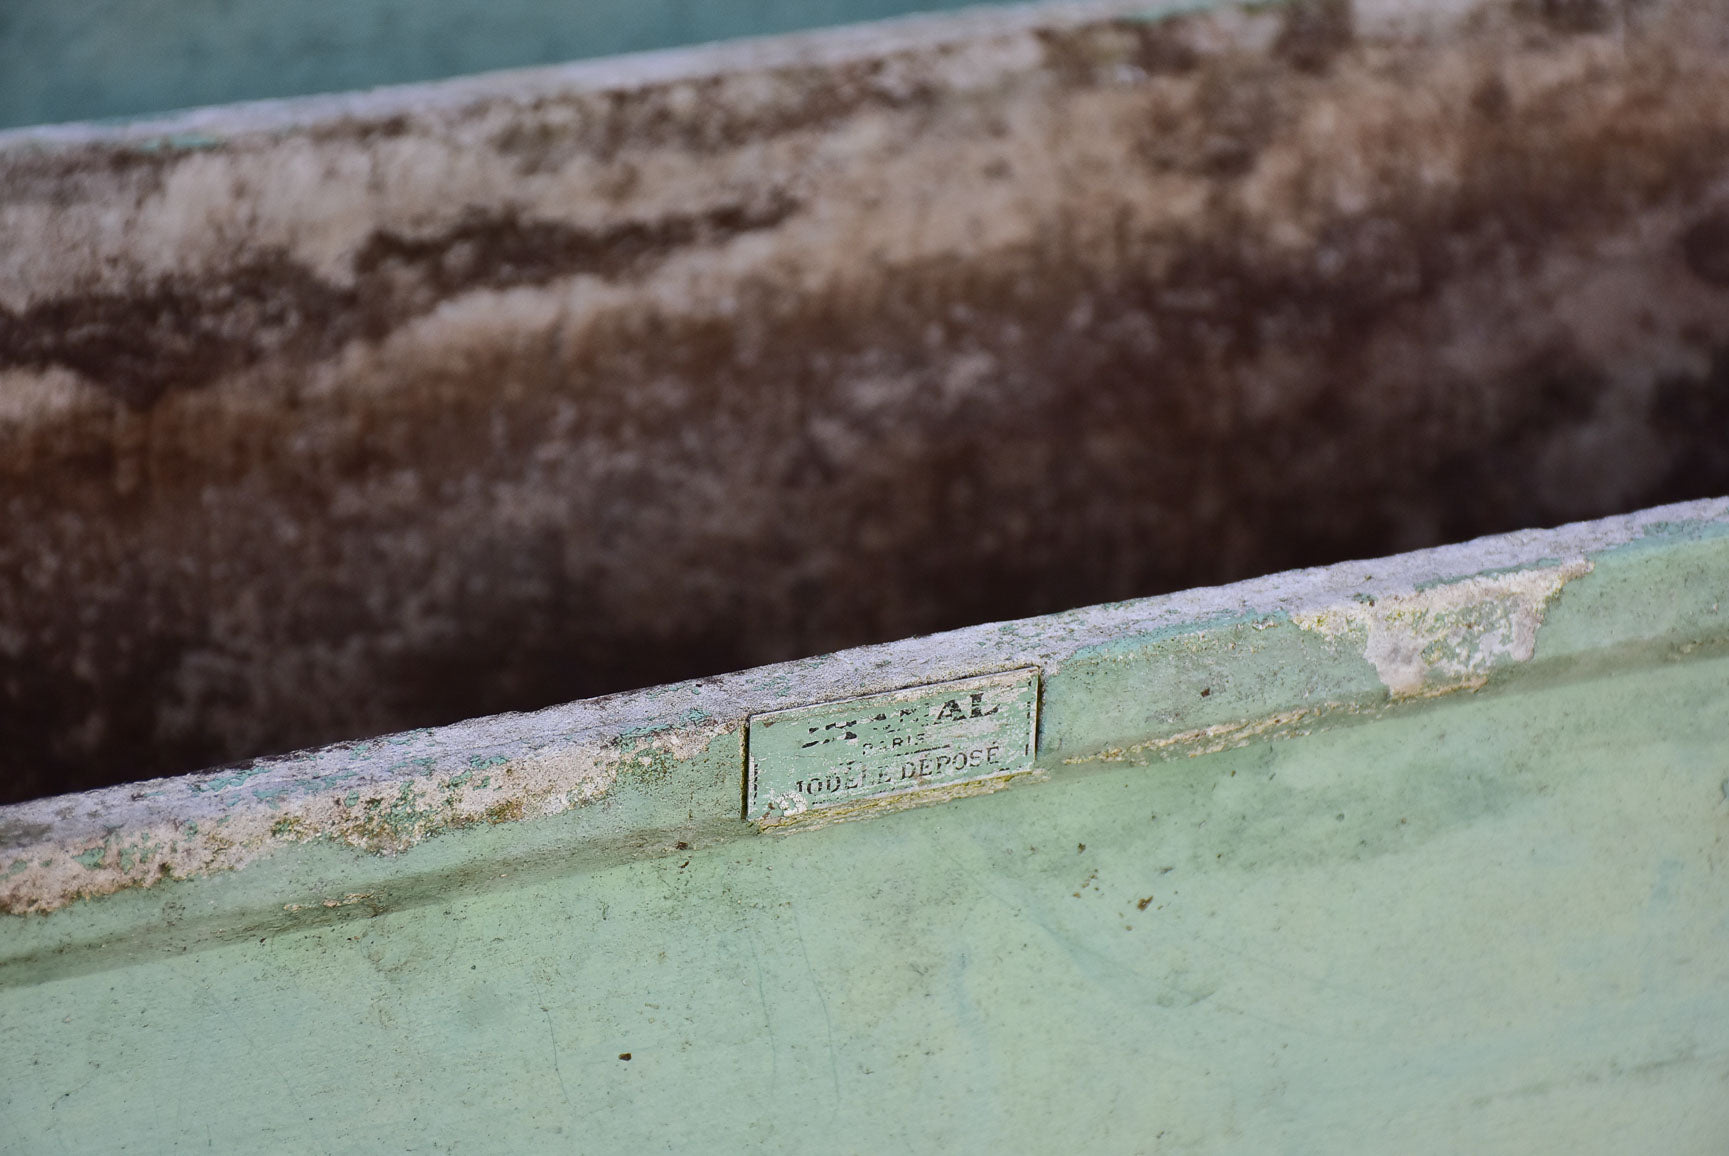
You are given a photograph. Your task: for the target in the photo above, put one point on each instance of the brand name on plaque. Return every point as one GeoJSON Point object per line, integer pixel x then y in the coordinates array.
{"type": "Point", "coordinates": [858, 749]}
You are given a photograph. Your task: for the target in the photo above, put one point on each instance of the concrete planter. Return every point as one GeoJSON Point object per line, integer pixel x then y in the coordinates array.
{"type": "Point", "coordinates": [360, 416]}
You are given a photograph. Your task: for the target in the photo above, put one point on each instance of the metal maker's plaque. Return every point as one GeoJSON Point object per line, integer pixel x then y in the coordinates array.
{"type": "Point", "coordinates": [936, 735]}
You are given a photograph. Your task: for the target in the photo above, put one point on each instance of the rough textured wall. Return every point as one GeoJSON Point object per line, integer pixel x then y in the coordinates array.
{"type": "Point", "coordinates": [327, 421]}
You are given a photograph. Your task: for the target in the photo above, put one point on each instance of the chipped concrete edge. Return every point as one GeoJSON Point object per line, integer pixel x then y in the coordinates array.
{"type": "Point", "coordinates": [1452, 636]}
{"type": "Point", "coordinates": [1430, 622]}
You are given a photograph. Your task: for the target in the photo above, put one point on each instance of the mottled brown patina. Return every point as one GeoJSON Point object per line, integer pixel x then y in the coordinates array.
{"type": "Point", "coordinates": [417, 409]}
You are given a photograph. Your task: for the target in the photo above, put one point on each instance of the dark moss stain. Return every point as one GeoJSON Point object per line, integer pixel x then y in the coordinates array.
{"type": "Point", "coordinates": [1097, 53]}
{"type": "Point", "coordinates": [499, 250]}
{"type": "Point", "coordinates": [1704, 247]}
{"type": "Point", "coordinates": [1691, 414]}
{"type": "Point", "coordinates": [669, 497]}
{"type": "Point", "coordinates": [1491, 477]}
{"type": "Point", "coordinates": [1233, 119]}
{"type": "Point", "coordinates": [1314, 32]}
{"type": "Point", "coordinates": [1574, 16]}
{"type": "Point", "coordinates": [184, 332]}
{"type": "Point", "coordinates": [181, 331]}
{"type": "Point", "coordinates": [1491, 100]}
{"type": "Point", "coordinates": [49, 173]}
{"type": "Point", "coordinates": [698, 117]}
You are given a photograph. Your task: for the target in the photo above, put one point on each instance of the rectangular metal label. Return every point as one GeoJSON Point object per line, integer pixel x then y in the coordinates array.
{"type": "Point", "coordinates": [811, 757]}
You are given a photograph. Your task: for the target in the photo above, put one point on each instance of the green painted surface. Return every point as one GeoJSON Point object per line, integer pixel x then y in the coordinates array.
{"type": "Point", "coordinates": [1488, 921]}
{"type": "Point", "coordinates": [1151, 694]}
{"type": "Point", "coordinates": [82, 59]}
{"type": "Point", "coordinates": [1493, 923]}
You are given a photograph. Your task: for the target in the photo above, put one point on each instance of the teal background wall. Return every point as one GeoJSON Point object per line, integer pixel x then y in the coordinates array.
{"type": "Point", "coordinates": [84, 59]}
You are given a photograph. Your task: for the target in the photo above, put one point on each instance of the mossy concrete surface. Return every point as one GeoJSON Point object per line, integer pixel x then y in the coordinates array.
{"type": "Point", "coordinates": [1486, 914]}
{"type": "Point", "coordinates": [336, 417]}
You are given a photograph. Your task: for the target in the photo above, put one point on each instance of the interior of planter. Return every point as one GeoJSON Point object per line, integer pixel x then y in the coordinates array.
{"type": "Point", "coordinates": [322, 423]}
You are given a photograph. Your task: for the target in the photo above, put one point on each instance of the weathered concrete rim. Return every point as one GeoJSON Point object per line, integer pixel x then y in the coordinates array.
{"type": "Point", "coordinates": [815, 48]}
{"type": "Point", "coordinates": [508, 768]}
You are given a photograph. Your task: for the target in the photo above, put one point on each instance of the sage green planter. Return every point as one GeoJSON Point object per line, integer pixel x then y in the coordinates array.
{"type": "Point", "coordinates": [338, 417]}
{"type": "Point", "coordinates": [1417, 855]}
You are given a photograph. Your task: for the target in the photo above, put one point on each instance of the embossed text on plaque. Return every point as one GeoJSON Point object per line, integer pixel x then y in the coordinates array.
{"type": "Point", "coordinates": [939, 734]}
